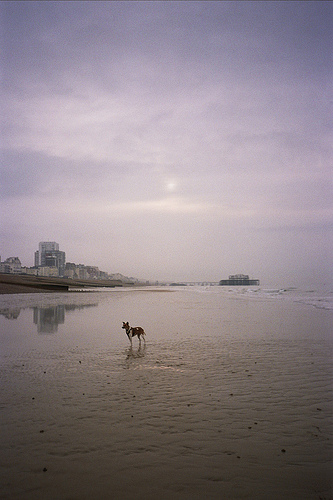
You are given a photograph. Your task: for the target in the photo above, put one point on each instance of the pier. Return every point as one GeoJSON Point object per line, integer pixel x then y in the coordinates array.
{"type": "Point", "coordinates": [239, 280]}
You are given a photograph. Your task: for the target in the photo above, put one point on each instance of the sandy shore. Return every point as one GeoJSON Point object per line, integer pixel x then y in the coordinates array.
{"type": "Point", "coordinates": [227, 399]}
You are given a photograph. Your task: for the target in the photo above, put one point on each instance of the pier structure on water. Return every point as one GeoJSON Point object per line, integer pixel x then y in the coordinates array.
{"type": "Point", "coordinates": [234, 280]}
{"type": "Point", "coordinates": [239, 280]}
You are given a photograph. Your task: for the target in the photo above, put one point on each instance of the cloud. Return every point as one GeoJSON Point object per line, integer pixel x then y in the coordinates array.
{"type": "Point", "coordinates": [128, 100]}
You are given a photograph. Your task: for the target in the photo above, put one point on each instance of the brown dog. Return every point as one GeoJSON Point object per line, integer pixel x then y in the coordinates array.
{"type": "Point", "coordinates": [134, 331]}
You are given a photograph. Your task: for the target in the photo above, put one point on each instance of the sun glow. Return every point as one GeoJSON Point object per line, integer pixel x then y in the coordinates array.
{"type": "Point", "coordinates": [171, 186]}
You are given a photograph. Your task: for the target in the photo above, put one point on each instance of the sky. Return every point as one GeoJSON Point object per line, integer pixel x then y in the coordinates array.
{"type": "Point", "coordinates": [177, 141]}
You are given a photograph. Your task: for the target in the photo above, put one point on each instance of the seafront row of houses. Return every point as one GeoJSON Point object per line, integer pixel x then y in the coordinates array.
{"type": "Point", "coordinates": [51, 262]}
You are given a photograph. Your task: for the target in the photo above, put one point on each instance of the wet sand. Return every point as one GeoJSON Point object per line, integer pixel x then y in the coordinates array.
{"type": "Point", "coordinates": [228, 399]}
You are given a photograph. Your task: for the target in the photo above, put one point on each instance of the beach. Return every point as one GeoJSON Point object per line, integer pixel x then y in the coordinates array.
{"type": "Point", "coordinates": [229, 398]}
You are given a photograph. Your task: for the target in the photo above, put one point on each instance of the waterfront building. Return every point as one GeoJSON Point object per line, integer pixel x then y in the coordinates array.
{"type": "Point", "coordinates": [48, 271]}
{"type": "Point", "coordinates": [43, 247]}
{"type": "Point", "coordinates": [12, 265]}
{"type": "Point", "coordinates": [32, 271]}
{"type": "Point", "coordinates": [49, 255]}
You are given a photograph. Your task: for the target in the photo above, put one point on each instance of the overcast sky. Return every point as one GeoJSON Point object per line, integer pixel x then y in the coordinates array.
{"type": "Point", "coordinates": [170, 140]}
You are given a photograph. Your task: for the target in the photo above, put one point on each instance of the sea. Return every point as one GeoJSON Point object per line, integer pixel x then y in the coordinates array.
{"type": "Point", "coordinates": [229, 396]}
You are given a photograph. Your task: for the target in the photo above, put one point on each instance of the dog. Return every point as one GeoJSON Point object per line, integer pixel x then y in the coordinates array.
{"type": "Point", "coordinates": [133, 331]}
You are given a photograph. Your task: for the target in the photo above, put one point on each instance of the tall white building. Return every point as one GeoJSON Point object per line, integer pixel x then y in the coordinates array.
{"type": "Point", "coordinates": [44, 246]}
{"type": "Point", "coordinates": [49, 255]}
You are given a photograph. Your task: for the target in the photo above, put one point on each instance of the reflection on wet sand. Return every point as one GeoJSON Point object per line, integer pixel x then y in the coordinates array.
{"type": "Point", "coordinates": [133, 354]}
{"type": "Point", "coordinates": [47, 318]}
{"type": "Point", "coordinates": [10, 312]}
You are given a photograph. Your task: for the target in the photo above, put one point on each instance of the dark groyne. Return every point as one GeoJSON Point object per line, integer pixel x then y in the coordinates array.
{"type": "Point", "coordinates": [10, 283]}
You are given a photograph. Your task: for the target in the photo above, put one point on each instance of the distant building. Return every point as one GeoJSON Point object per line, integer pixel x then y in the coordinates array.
{"type": "Point", "coordinates": [76, 271]}
{"type": "Point", "coordinates": [33, 271]}
{"type": "Point", "coordinates": [80, 271]}
{"type": "Point", "coordinates": [93, 271]}
{"type": "Point", "coordinates": [48, 271]}
{"type": "Point", "coordinates": [12, 265]}
{"type": "Point", "coordinates": [49, 255]}
{"type": "Point", "coordinates": [239, 280]}
{"type": "Point", "coordinates": [43, 247]}
{"type": "Point", "coordinates": [70, 270]}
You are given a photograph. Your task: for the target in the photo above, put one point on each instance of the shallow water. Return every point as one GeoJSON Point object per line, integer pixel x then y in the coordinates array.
{"type": "Point", "coordinates": [230, 397]}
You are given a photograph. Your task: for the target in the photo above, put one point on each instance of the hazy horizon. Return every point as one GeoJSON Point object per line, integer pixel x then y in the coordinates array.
{"type": "Point", "coordinates": [170, 141]}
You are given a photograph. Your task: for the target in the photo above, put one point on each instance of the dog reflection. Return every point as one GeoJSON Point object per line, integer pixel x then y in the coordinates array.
{"type": "Point", "coordinates": [136, 353]}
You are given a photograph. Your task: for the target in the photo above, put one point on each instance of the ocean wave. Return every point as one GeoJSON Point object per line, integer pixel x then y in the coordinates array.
{"type": "Point", "coordinates": [320, 299]}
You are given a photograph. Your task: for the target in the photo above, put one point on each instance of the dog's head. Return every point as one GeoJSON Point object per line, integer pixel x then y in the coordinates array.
{"type": "Point", "coordinates": [127, 328]}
